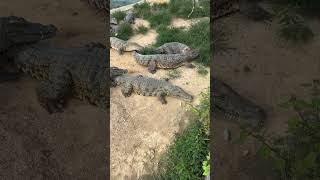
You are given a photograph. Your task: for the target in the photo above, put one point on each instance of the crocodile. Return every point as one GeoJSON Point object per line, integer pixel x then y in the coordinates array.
{"type": "Point", "coordinates": [81, 72]}
{"type": "Point", "coordinates": [147, 86]}
{"type": "Point", "coordinates": [248, 8]}
{"type": "Point", "coordinates": [165, 61]}
{"type": "Point", "coordinates": [236, 107]}
{"type": "Point", "coordinates": [173, 48]}
{"type": "Point", "coordinates": [15, 31]}
{"type": "Point", "coordinates": [18, 31]}
{"type": "Point", "coordinates": [130, 18]}
{"type": "Point", "coordinates": [124, 46]}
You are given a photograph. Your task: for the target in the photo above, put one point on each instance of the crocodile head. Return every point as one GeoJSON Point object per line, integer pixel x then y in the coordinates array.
{"type": "Point", "coordinates": [192, 54]}
{"type": "Point", "coordinates": [115, 72]}
{"type": "Point", "coordinates": [178, 92]}
{"type": "Point", "coordinates": [20, 31]}
{"type": "Point", "coordinates": [237, 107]}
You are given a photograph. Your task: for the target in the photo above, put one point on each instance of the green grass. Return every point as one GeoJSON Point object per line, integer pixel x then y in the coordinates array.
{"type": "Point", "coordinates": [174, 73]}
{"type": "Point", "coordinates": [148, 50]}
{"type": "Point", "coordinates": [183, 8]}
{"type": "Point", "coordinates": [196, 37]}
{"type": "Point", "coordinates": [185, 156]}
{"type": "Point", "coordinates": [160, 17]}
{"type": "Point", "coordinates": [142, 10]}
{"type": "Point", "coordinates": [142, 29]}
{"type": "Point", "coordinates": [119, 15]}
{"type": "Point", "coordinates": [125, 31]}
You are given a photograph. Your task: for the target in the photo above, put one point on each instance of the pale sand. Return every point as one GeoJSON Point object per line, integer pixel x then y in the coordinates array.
{"type": "Point", "coordinates": [141, 127]}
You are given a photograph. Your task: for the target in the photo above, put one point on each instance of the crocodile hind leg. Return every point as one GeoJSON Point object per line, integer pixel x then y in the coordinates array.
{"type": "Point", "coordinates": [127, 90]}
{"type": "Point", "coordinates": [152, 67]}
{"type": "Point", "coordinates": [52, 93]}
{"type": "Point", "coordinates": [162, 99]}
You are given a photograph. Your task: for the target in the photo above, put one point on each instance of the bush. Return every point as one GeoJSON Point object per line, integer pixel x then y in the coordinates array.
{"type": "Point", "coordinates": [142, 30]}
{"type": "Point", "coordinates": [125, 31]}
{"type": "Point", "coordinates": [293, 27]}
{"type": "Point", "coordinates": [297, 155]}
{"type": "Point", "coordinates": [142, 10]}
{"type": "Point", "coordinates": [185, 157]}
{"type": "Point", "coordinates": [119, 15]}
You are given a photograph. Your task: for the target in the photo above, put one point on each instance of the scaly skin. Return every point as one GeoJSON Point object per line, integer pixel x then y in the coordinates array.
{"type": "Point", "coordinates": [124, 46]}
{"type": "Point", "coordinates": [249, 8]}
{"type": "Point", "coordinates": [235, 106]}
{"type": "Point", "coordinates": [17, 31]}
{"type": "Point", "coordinates": [150, 87]}
{"type": "Point", "coordinates": [81, 72]}
{"type": "Point", "coordinates": [165, 61]}
{"type": "Point", "coordinates": [173, 48]}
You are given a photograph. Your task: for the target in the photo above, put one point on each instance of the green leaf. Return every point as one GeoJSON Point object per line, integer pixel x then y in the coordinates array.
{"type": "Point", "coordinates": [294, 121]}
{"type": "Point", "coordinates": [309, 160]}
{"type": "Point", "coordinates": [264, 151]}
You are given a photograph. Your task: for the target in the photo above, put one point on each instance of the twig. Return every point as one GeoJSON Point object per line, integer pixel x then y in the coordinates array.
{"type": "Point", "coordinates": [193, 5]}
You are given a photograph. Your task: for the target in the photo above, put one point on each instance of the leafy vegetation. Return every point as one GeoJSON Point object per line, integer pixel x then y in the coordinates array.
{"type": "Point", "coordinates": [125, 31]}
{"type": "Point", "coordinates": [142, 29]}
{"type": "Point", "coordinates": [187, 154]}
{"type": "Point", "coordinates": [196, 37]}
{"type": "Point", "coordinates": [174, 73]}
{"type": "Point", "coordinates": [183, 8]}
{"type": "Point", "coordinates": [297, 155]}
{"type": "Point", "coordinates": [119, 15]}
{"type": "Point", "coordinates": [293, 27]}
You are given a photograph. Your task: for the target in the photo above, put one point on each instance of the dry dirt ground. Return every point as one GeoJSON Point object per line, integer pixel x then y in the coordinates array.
{"type": "Point", "coordinates": [141, 127]}
{"type": "Point", "coordinates": [279, 70]}
{"type": "Point", "coordinates": [34, 144]}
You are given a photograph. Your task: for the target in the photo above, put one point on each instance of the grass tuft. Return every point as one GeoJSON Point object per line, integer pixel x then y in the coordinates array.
{"type": "Point", "coordinates": [119, 15]}
{"type": "Point", "coordinates": [142, 29]}
{"type": "Point", "coordinates": [125, 31]}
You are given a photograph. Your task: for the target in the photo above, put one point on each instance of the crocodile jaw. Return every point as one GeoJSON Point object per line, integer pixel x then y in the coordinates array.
{"type": "Point", "coordinates": [178, 92]}
{"type": "Point", "coordinates": [22, 31]}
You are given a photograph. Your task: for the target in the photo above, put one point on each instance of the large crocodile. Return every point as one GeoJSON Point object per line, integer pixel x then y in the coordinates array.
{"type": "Point", "coordinates": [81, 72]}
{"type": "Point", "coordinates": [165, 61]}
{"type": "Point", "coordinates": [150, 87]}
{"type": "Point", "coordinates": [124, 46]}
{"type": "Point", "coordinates": [173, 48]}
{"type": "Point", "coordinates": [15, 31]}
{"type": "Point", "coordinates": [235, 106]}
{"type": "Point", "coordinates": [249, 8]}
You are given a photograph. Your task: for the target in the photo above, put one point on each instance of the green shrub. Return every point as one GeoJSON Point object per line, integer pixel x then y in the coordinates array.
{"type": "Point", "coordinates": [125, 31]}
{"type": "Point", "coordinates": [142, 30]}
{"type": "Point", "coordinates": [160, 17]}
{"type": "Point", "coordinates": [142, 10]}
{"type": "Point", "coordinates": [296, 155]}
{"type": "Point", "coordinates": [293, 27]}
{"type": "Point", "coordinates": [119, 15]}
{"type": "Point", "coordinates": [185, 156]}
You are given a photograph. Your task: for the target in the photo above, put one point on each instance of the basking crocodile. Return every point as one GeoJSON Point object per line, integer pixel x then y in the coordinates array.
{"type": "Point", "coordinates": [165, 61]}
{"type": "Point", "coordinates": [173, 48]}
{"type": "Point", "coordinates": [249, 8]}
{"type": "Point", "coordinates": [235, 106]}
{"type": "Point", "coordinates": [81, 72]}
{"type": "Point", "coordinates": [150, 87]}
{"type": "Point", "coordinates": [124, 46]}
{"type": "Point", "coordinates": [15, 31]}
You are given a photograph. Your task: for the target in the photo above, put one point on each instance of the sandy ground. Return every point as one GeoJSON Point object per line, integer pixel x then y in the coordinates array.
{"type": "Point", "coordinates": [34, 144]}
{"type": "Point", "coordinates": [279, 70]}
{"type": "Point", "coordinates": [141, 127]}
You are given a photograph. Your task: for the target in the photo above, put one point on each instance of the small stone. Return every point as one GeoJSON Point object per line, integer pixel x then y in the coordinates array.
{"type": "Point", "coordinates": [227, 135]}
{"type": "Point", "coordinates": [245, 152]}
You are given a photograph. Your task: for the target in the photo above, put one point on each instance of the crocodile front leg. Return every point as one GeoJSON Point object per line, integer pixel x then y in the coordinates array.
{"type": "Point", "coordinates": [52, 93]}
{"type": "Point", "coordinates": [152, 67]}
{"type": "Point", "coordinates": [127, 90]}
{"type": "Point", "coordinates": [162, 99]}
